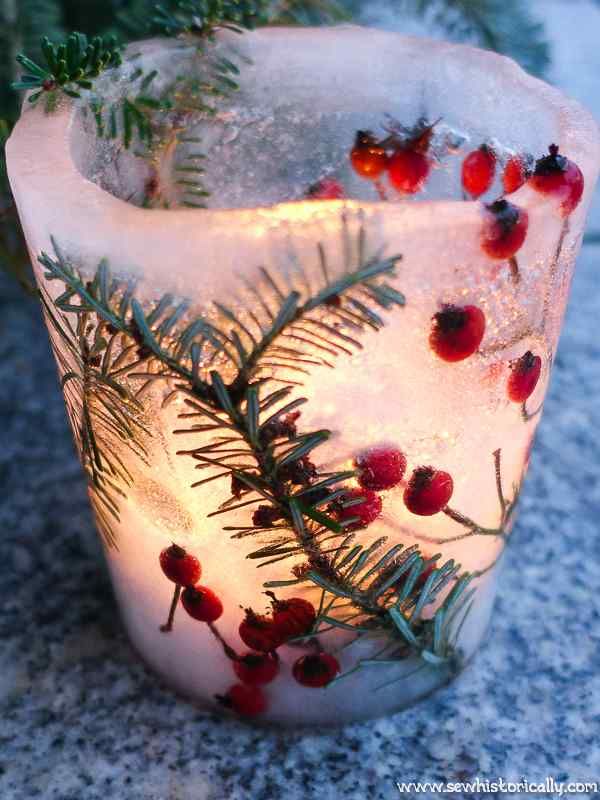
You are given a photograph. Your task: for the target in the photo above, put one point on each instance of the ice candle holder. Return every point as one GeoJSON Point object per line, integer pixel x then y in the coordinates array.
{"type": "Point", "coordinates": [304, 330]}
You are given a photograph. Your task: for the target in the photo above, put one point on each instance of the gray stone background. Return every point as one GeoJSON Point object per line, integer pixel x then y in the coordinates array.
{"type": "Point", "coordinates": [82, 719]}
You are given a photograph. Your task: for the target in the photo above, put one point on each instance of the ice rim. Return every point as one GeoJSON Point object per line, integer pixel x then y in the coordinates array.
{"type": "Point", "coordinates": [49, 186]}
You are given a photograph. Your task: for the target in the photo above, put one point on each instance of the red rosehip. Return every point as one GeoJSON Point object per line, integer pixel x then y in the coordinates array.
{"type": "Point", "coordinates": [560, 177]}
{"type": "Point", "coordinates": [257, 669]}
{"type": "Point", "coordinates": [293, 617]}
{"type": "Point", "coordinates": [408, 170]}
{"type": "Point", "coordinates": [259, 632]}
{"type": "Point", "coordinates": [428, 491]}
{"type": "Point", "coordinates": [326, 189]}
{"type": "Point", "coordinates": [180, 566]}
{"type": "Point", "coordinates": [456, 332]}
{"type": "Point", "coordinates": [516, 172]}
{"type": "Point", "coordinates": [505, 229]}
{"type": "Point", "coordinates": [316, 669]}
{"type": "Point", "coordinates": [524, 376]}
{"type": "Point", "coordinates": [368, 158]}
{"type": "Point", "coordinates": [201, 603]}
{"type": "Point", "coordinates": [380, 468]}
{"type": "Point", "coordinates": [367, 510]}
{"type": "Point", "coordinates": [478, 171]}
{"type": "Point", "coordinates": [247, 701]}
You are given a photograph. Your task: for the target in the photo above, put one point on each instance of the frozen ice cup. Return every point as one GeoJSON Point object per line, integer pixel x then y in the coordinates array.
{"type": "Point", "coordinates": [304, 342]}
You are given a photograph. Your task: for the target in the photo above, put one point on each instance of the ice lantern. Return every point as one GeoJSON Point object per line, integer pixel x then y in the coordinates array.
{"type": "Point", "coordinates": [305, 422]}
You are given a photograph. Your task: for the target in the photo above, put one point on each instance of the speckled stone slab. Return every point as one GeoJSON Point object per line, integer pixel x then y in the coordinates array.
{"type": "Point", "coordinates": [82, 719]}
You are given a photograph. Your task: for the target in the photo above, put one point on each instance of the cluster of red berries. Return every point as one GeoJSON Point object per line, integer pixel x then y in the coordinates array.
{"type": "Point", "coordinates": [479, 171]}
{"type": "Point", "coordinates": [406, 158]}
{"type": "Point", "coordinates": [427, 491]}
{"type": "Point", "coordinates": [184, 570]}
{"type": "Point", "coordinates": [407, 161]}
{"type": "Point", "coordinates": [552, 174]}
{"type": "Point", "coordinates": [457, 332]}
{"type": "Point", "coordinates": [264, 634]}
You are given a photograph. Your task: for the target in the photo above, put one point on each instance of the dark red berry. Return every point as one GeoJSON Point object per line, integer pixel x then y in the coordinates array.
{"type": "Point", "coordinates": [293, 617]}
{"type": "Point", "coordinates": [316, 496]}
{"type": "Point", "coordinates": [259, 632]}
{"type": "Point", "coordinates": [505, 229]}
{"type": "Point", "coordinates": [408, 169]}
{"type": "Point", "coordinates": [380, 467]}
{"type": "Point", "coordinates": [152, 186]}
{"type": "Point", "coordinates": [327, 189]}
{"type": "Point", "coordinates": [368, 158]}
{"type": "Point", "coordinates": [478, 171]}
{"type": "Point", "coordinates": [299, 472]}
{"type": "Point", "coordinates": [515, 173]}
{"type": "Point", "coordinates": [49, 85]}
{"type": "Point", "coordinates": [316, 670]}
{"type": "Point", "coordinates": [247, 701]}
{"type": "Point", "coordinates": [180, 566]}
{"type": "Point", "coordinates": [257, 669]}
{"type": "Point", "coordinates": [266, 516]}
{"type": "Point", "coordinates": [428, 491]}
{"type": "Point", "coordinates": [524, 376]}
{"type": "Point", "coordinates": [559, 177]}
{"type": "Point", "coordinates": [238, 487]}
{"type": "Point", "coordinates": [201, 603]}
{"type": "Point", "coordinates": [279, 428]}
{"type": "Point", "coordinates": [367, 509]}
{"type": "Point", "coordinates": [456, 332]}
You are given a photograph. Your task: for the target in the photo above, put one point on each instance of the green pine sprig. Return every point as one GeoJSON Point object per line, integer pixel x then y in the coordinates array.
{"type": "Point", "coordinates": [104, 412]}
{"type": "Point", "coordinates": [68, 67]}
{"type": "Point", "coordinates": [368, 590]}
{"type": "Point", "coordinates": [203, 17]}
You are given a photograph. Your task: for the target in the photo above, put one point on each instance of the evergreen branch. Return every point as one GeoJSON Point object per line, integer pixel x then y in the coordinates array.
{"type": "Point", "coordinates": [103, 412]}
{"type": "Point", "coordinates": [133, 114]}
{"type": "Point", "coordinates": [67, 67]}
{"type": "Point", "coordinates": [269, 461]}
{"type": "Point", "coordinates": [203, 17]}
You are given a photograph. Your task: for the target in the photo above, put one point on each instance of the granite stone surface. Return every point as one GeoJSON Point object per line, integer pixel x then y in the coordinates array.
{"type": "Point", "coordinates": [82, 719]}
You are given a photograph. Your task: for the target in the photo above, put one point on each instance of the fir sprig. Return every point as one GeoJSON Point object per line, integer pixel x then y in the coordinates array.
{"type": "Point", "coordinates": [366, 590]}
{"type": "Point", "coordinates": [104, 412]}
{"type": "Point", "coordinates": [69, 66]}
{"type": "Point", "coordinates": [203, 17]}
{"type": "Point", "coordinates": [134, 114]}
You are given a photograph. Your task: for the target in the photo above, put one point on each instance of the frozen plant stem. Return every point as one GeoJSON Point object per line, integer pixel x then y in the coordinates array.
{"type": "Point", "coordinates": [168, 626]}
